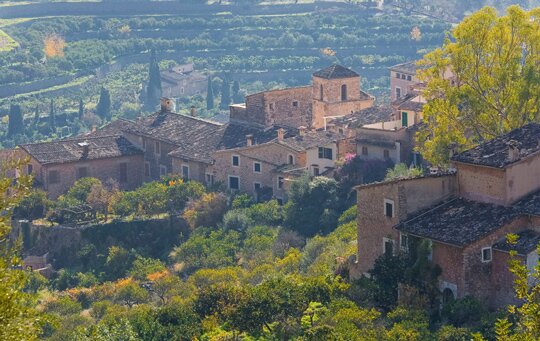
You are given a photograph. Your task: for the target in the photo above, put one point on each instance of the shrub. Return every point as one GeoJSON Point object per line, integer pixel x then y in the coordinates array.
{"type": "Point", "coordinates": [33, 206]}
{"type": "Point", "coordinates": [266, 213]}
{"type": "Point", "coordinates": [236, 220]}
{"type": "Point", "coordinates": [78, 193]}
{"type": "Point", "coordinates": [465, 311]}
{"type": "Point", "coordinates": [207, 211]}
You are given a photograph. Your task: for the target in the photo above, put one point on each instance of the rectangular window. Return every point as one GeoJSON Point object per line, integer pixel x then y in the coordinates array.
{"type": "Point", "coordinates": [388, 246]}
{"type": "Point", "coordinates": [185, 171]}
{"type": "Point", "coordinates": [209, 179]}
{"type": "Point", "coordinates": [316, 171]}
{"type": "Point", "coordinates": [389, 208]}
{"type": "Point", "coordinates": [398, 92]}
{"type": "Point", "coordinates": [256, 186]}
{"type": "Point", "coordinates": [325, 153]}
{"type": "Point", "coordinates": [409, 78]}
{"type": "Point", "coordinates": [82, 172]}
{"type": "Point", "coordinates": [256, 167]}
{"type": "Point", "coordinates": [158, 148]}
{"type": "Point", "coordinates": [402, 76]}
{"type": "Point", "coordinates": [404, 242]}
{"type": "Point", "coordinates": [386, 154]}
{"type": "Point", "coordinates": [234, 183]}
{"type": "Point", "coordinates": [280, 182]}
{"type": "Point", "coordinates": [146, 169]}
{"type": "Point", "coordinates": [364, 151]}
{"type": "Point", "coordinates": [398, 75]}
{"type": "Point", "coordinates": [486, 254]}
{"type": "Point", "coordinates": [143, 143]}
{"type": "Point", "coordinates": [236, 160]}
{"type": "Point", "coordinates": [30, 169]}
{"type": "Point", "coordinates": [295, 104]}
{"type": "Point", "coordinates": [54, 177]}
{"type": "Point", "coordinates": [162, 170]}
{"type": "Point", "coordinates": [123, 172]}
{"type": "Point", "coordinates": [271, 106]}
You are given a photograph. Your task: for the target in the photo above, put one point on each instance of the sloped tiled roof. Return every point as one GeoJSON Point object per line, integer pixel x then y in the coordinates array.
{"type": "Point", "coordinates": [335, 71]}
{"type": "Point", "coordinates": [459, 221]}
{"type": "Point", "coordinates": [408, 67]}
{"type": "Point", "coordinates": [71, 150]}
{"type": "Point", "coordinates": [527, 242]}
{"type": "Point", "coordinates": [494, 153]}
{"type": "Point", "coordinates": [370, 115]}
{"type": "Point", "coordinates": [311, 139]}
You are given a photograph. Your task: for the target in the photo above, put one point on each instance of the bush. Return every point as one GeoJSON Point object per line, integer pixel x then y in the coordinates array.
{"type": "Point", "coordinates": [80, 190]}
{"type": "Point", "coordinates": [236, 220]}
{"type": "Point", "coordinates": [180, 192]}
{"type": "Point", "coordinates": [266, 213]}
{"type": "Point", "coordinates": [33, 206]}
{"type": "Point", "coordinates": [465, 311]}
{"type": "Point", "coordinates": [207, 211]}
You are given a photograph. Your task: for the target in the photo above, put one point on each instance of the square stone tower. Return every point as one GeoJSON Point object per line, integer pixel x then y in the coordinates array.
{"type": "Point", "coordinates": [336, 93]}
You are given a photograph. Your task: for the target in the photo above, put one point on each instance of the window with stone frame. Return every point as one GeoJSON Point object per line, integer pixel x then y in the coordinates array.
{"type": "Point", "coordinates": [29, 169]}
{"type": "Point", "coordinates": [365, 150]}
{"type": "Point", "coordinates": [162, 170]}
{"type": "Point", "coordinates": [486, 254]}
{"type": "Point", "coordinates": [82, 172]}
{"type": "Point", "coordinates": [386, 154]}
{"type": "Point", "coordinates": [389, 208]}
{"type": "Point", "coordinates": [185, 172]}
{"type": "Point", "coordinates": [295, 104]}
{"type": "Point", "coordinates": [54, 177]}
{"type": "Point", "coordinates": [388, 246]}
{"type": "Point", "coordinates": [234, 182]}
{"type": "Point", "coordinates": [235, 160]}
{"type": "Point", "coordinates": [157, 148]}
{"type": "Point", "coordinates": [404, 242]}
{"type": "Point", "coordinates": [257, 167]}
{"type": "Point", "coordinates": [325, 153]}
{"type": "Point", "coordinates": [280, 180]}
{"type": "Point", "coordinates": [146, 169]}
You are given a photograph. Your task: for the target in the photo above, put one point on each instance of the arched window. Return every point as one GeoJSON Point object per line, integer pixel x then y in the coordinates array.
{"type": "Point", "coordinates": [344, 92]}
{"type": "Point", "coordinates": [321, 92]}
{"type": "Point", "coordinates": [291, 159]}
{"type": "Point", "coordinates": [447, 296]}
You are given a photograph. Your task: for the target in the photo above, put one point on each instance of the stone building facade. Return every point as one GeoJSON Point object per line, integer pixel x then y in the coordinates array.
{"type": "Point", "coordinates": [464, 216]}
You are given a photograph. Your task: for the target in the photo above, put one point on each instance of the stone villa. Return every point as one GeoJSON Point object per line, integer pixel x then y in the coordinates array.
{"type": "Point", "coordinates": [464, 215]}
{"type": "Point", "coordinates": [183, 81]}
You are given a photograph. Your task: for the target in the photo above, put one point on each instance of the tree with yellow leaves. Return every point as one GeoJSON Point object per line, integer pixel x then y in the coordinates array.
{"type": "Point", "coordinates": [482, 82]}
{"type": "Point", "coordinates": [54, 46]}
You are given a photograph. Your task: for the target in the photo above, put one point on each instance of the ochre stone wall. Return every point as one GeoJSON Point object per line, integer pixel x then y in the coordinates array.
{"type": "Point", "coordinates": [482, 184]}
{"type": "Point", "coordinates": [522, 178]}
{"type": "Point", "coordinates": [197, 170]}
{"type": "Point", "coordinates": [103, 169]}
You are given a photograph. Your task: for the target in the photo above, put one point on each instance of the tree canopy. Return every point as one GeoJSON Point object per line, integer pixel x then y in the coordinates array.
{"type": "Point", "coordinates": [483, 82]}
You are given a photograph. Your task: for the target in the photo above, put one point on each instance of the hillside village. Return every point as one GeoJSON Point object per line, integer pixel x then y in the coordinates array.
{"type": "Point", "coordinates": [241, 228]}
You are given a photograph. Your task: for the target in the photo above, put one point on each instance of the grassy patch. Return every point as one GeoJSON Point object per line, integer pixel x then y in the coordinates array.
{"type": "Point", "coordinates": [6, 42]}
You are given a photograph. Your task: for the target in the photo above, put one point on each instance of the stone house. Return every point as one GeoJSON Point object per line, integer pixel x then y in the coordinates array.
{"type": "Point", "coordinates": [464, 216]}
{"type": "Point", "coordinates": [183, 81]}
{"type": "Point", "coordinates": [57, 165]}
{"type": "Point", "coordinates": [402, 77]}
{"type": "Point", "coordinates": [335, 91]}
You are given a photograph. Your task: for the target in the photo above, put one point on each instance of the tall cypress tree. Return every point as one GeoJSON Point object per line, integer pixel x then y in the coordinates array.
{"type": "Point", "coordinates": [153, 88]}
{"type": "Point", "coordinates": [36, 115]}
{"type": "Point", "coordinates": [16, 123]}
{"type": "Point", "coordinates": [225, 94]}
{"type": "Point", "coordinates": [81, 108]}
{"type": "Point", "coordinates": [236, 93]}
{"type": "Point", "coordinates": [210, 95]}
{"type": "Point", "coordinates": [52, 118]}
{"type": "Point", "coordinates": [103, 108]}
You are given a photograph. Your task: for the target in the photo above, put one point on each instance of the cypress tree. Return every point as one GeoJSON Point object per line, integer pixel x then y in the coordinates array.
{"type": "Point", "coordinates": [36, 115]}
{"type": "Point", "coordinates": [153, 88]}
{"type": "Point", "coordinates": [210, 95]}
{"type": "Point", "coordinates": [16, 123]}
{"type": "Point", "coordinates": [225, 94]}
{"type": "Point", "coordinates": [236, 92]}
{"type": "Point", "coordinates": [103, 108]}
{"type": "Point", "coordinates": [52, 118]}
{"type": "Point", "coordinates": [81, 108]}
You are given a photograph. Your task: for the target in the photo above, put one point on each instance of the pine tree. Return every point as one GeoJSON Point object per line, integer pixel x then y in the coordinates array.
{"type": "Point", "coordinates": [153, 88]}
{"type": "Point", "coordinates": [210, 95]}
{"type": "Point", "coordinates": [236, 93]}
{"type": "Point", "coordinates": [225, 94]}
{"type": "Point", "coordinates": [81, 108]}
{"type": "Point", "coordinates": [52, 118]}
{"type": "Point", "coordinates": [16, 123]}
{"type": "Point", "coordinates": [103, 108]}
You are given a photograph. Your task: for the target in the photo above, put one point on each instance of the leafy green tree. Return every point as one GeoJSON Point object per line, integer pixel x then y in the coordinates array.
{"type": "Point", "coordinates": [33, 206]}
{"type": "Point", "coordinates": [103, 108]}
{"type": "Point", "coordinates": [210, 95]}
{"type": "Point", "coordinates": [16, 123]}
{"type": "Point", "coordinates": [153, 87]}
{"type": "Point", "coordinates": [78, 193]}
{"type": "Point", "coordinates": [118, 262]}
{"type": "Point", "coordinates": [495, 85]}
{"type": "Point", "coordinates": [18, 319]}
{"type": "Point", "coordinates": [131, 294]}
{"type": "Point", "coordinates": [225, 94]}
{"type": "Point", "coordinates": [142, 267]}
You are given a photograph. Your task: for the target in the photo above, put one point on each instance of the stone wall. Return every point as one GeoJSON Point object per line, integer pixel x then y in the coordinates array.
{"type": "Point", "coordinates": [102, 169]}
{"type": "Point", "coordinates": [484, 184]}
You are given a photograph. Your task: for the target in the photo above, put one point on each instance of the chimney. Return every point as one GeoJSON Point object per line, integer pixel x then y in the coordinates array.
{"type": "Point", "coordinates": [94, 128]}
{"type": "Point", "coordinates": [302, 130]}
{"type": "Point", "coordinates": [280, 134]}
{"type": "Point", "coordinates": [167, 105]}
{"type": "Point", "coordinates": [249, 140]}
{"type": "Point", "coordinates": [513, 150]}
{"type": "Point", "coordinates": [86, 148]}
{"type": "Point", "coordinates": [193, 111]}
